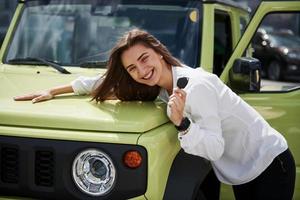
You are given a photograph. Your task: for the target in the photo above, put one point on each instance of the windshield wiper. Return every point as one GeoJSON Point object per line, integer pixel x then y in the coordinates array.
{"type": "Point", "coordinates": [30, 60]}
{"type": "Point", "coordinates": [93, 64]}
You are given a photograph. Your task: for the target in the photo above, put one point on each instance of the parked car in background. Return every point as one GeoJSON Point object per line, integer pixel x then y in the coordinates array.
{"type": "Point", "coordinates": [279, 52]}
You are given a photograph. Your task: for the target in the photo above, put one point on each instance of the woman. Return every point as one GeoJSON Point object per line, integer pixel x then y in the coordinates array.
{"type": "Point", "coordinates": [212, 121]}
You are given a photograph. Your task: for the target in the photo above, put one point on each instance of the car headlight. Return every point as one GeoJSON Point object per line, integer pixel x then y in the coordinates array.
{"type": "Point", "coordinates": [94, 172]}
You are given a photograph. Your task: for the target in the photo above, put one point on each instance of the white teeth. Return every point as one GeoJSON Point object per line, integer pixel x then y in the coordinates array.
{"type": "Point", "coordinates": [149, 75]}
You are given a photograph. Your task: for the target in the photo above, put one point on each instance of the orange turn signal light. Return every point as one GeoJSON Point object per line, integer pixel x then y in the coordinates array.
{"type": "Point", "coordinates": [132, 159]}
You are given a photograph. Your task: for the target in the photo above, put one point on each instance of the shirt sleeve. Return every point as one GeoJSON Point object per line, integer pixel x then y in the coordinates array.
{"type": "Point", "coordinates": [85, 85]}
{"type": "Point", "coordinates": [204, 137]}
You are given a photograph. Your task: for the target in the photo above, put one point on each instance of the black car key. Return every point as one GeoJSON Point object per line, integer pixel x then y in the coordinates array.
{"type": "Point", "coordinates": [182, 82]}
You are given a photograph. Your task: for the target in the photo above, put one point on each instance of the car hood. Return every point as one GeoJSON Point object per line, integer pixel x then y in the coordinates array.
{"type": "Point", "coordinates": [69, 111]}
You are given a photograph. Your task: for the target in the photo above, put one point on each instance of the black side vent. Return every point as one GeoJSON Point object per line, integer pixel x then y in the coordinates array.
{"type": "Point", "coordinates": [44, 168]}
{"type": "Point", "coordinates": [9, 167]}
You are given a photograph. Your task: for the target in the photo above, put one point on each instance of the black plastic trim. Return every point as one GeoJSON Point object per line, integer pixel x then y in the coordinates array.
{"type": "Point", "coordinates": [185, 177]}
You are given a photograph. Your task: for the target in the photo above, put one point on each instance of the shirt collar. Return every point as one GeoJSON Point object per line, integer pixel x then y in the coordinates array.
{"type": "Point", "coordinates": [163, 95]}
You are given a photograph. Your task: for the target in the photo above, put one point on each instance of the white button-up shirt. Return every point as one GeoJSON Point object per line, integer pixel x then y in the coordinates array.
{"type": "Point", "coordinates": [224, 129]}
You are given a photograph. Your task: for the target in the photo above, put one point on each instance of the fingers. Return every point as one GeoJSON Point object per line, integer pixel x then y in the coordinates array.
{"type": "Point", "coordinates": [25, 97]}
{"type": "Point", "coordinates": [36, 97]}
{"type": "Point", "coordinates": [176, 112]}
{"type": "Point", "coordinates": [175, 101]}
{"type": "Point", "coordinates": [176, 104]}
{"type": "Point", "coordinates": [178, 97]}
{"type": "Point", "coordinates": [41, 98]}
{"type": "Point", "coordinates": [181, 93]}
{"type": "Point", "coordinates": [176, 116]}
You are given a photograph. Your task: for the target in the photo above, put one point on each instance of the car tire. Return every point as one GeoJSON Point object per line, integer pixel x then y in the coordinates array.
{"type": "Point", "coordinates": [275, 70]}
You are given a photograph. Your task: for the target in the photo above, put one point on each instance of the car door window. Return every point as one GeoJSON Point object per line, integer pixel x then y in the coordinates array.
{"type": "Point", "coordinates": [222, 41]}
{"type": "Point", "coordinates": [243, 24]}
{"type": "Point", "coordinates": [277, 45]}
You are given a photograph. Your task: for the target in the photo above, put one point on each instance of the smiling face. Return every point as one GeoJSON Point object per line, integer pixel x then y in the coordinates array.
{"type": "Point", "coordinates": [138, 67]}
{"type": "Point", "coordinates": [144, 65]}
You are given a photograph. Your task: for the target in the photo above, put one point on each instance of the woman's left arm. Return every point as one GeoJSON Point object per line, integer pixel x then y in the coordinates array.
{"type": "Point", "coordinates": [204, 136]}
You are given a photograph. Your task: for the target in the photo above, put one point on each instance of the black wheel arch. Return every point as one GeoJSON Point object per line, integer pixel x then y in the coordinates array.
{"type": "Point", "coordinates": [185, 177]}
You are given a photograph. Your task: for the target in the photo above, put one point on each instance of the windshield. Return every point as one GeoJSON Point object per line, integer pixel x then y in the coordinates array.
{"type": "Point", "coordinates": [74, 32]}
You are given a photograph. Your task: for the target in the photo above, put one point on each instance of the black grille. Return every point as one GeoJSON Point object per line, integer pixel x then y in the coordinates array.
{"type": "Point", "coordinates": [44, 168]}
{"type": "Point", "coordinates": [9, 165]}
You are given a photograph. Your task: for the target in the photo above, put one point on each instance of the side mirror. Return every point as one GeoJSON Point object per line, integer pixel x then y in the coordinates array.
{"type": "Point", "coordinates": [245, 74]}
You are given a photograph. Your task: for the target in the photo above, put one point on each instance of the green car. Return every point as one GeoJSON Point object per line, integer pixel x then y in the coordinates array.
{"type": "Point", "coordinates": [73, 148]}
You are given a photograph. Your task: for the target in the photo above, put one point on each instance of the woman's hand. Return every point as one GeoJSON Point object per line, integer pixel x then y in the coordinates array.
{"type": "Point", "coordinates": [176, 104]}
{"type": "Point", "coordinates": [46, 94]}
{"type": "Point", "coordinates": [36, 97]}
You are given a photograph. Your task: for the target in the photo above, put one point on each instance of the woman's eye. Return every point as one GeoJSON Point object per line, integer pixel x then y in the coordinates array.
{"type": "Point", "coordinates": [131, 69]}
{"type": "Point", "coordinates": [144, 59]}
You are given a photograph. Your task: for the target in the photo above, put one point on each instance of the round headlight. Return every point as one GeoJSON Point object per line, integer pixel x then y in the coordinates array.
{"type": "Point", "coordinates": [94, 172]}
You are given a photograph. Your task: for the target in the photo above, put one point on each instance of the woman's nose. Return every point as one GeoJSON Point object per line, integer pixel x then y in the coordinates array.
{"type": "Point", "coordinates": [141, 70]}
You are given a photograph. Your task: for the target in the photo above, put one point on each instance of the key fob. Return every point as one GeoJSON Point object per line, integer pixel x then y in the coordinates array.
{"type": "Point", "coordinates": [182, 82]}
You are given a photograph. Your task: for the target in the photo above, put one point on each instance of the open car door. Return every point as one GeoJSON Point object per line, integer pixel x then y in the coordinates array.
{"type": "Point", "coordinates": [277, 99]}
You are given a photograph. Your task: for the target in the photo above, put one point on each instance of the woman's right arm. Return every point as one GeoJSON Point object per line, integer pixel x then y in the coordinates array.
{"type": "Point", "coordinates": [80, 86]}
{"type": "Point", "coordinates": [46, 94]}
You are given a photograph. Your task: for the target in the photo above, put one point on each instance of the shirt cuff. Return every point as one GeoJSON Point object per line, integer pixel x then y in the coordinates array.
{"type": "Point", "coordinates": [191, 137]}
{"type": "Point", "coordinates": [184, 132]}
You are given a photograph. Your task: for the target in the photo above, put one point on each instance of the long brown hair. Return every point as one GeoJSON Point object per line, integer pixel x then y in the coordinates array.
{"type": "Point", "coordinates": [117, 81]}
